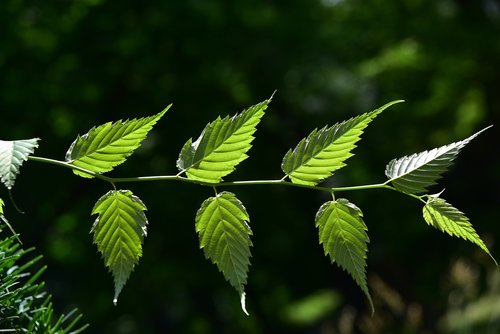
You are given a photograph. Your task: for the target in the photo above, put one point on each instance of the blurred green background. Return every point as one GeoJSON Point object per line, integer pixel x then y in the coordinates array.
{"type": "Point", "coordinates": [67, 65]}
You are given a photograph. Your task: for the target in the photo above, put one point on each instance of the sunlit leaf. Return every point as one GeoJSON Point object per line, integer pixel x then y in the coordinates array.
{"type": "Point", "coordinates": [443, 216]}
{"type": "Point", "coordinates": [415, 173]}
{"type": "Point", "coordinates": [324, 151]}
{"type": "Point", "coordinates": [12, 155]}
{"type": "Point", "coordinates": [342, 232]}
{"type": "Point", "coordinates": [221, 146]}
{"type": "Point", "coordinates": [119, 231]}
{"type": "Point", "coordinates": [221, 223]}
{"type": "Point", "coordinates": [110, 144]}
{"type": "Point", "coordinates": [6, 222]}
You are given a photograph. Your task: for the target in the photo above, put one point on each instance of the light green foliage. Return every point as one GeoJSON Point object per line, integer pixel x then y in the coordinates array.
{"type": "Point", "coordinates": [119, 231]}
{"type": "Point", "coordinates": [342, 232]}
{"type": "Point", "coordinates": [221, 223]}
{"type": "Point", "coordinates": [324, 151]}
{"type": "Point", "coordinates": [12, 155]}
{"type": "Point", "coordinates": [6, 222]}
{"type": "Point", "coordinates": [415, 173]}
{"type": "Point", "coordinates": [221, 146]}
{"type": "Point", "coordinates": [222, 220]}
{"type": "Point", "coordinates": [110, 144]}
{"type": "Point", "coordinates": [2, 217]}
{"type": "Point", "coordinates": [443, 216]}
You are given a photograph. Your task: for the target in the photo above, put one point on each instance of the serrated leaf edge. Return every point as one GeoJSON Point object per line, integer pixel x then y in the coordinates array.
{"type": "Point", "coordinates": [81, 139]}
{"type": "Point", "coordinates": [248, 232]}
{"type": "Point", "coordinates": [9, 179]}
{"type": "Point", "coordinates": [474, 238]}
{"type": "Point", "coordinates": [129, 195]}
{"type": "Point", "coordinates": [361, 281]}
{"type": "Point", "coordinates": [227, 121]}
{"type": "Point", "coordinates": [357, 123]}
{"type": "Point", "coordinates": [436, 153]}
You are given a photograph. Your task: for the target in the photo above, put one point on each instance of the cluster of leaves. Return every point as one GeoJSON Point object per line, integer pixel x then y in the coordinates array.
{"type": "Point", "coordinates": [25, 307]}
{"type": "Point", "coordinates": [222, 221]}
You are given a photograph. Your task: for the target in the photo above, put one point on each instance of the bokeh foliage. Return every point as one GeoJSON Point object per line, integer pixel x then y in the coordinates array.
{"type": "Point", "coordinates": [69, 65]}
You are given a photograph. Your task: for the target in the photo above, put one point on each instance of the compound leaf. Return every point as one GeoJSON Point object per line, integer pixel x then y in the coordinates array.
{"type": "Point", "coordinates": [443, 216]}
{"type": "Point", "coordinates": [342, 232]}
{"type": "Point", "coordinates": [12, 155]}
{"type": "Point", "coordinates": [119, 231]}
{"type": "Point", "coordinates": [110, 144]}
{"type": "Point", "coordinates": [324, 151]}
{"type": "Point", "coordinates": [415, 173]}
{"type": "Point", "coordinates": [221, 223]}
{"type": "Point", "coordinates": [221, 146]}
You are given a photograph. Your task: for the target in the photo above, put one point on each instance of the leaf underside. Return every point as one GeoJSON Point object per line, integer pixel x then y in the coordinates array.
{"type": "Point", "coordinates": [12, 155]}
{"type": "Point", "coordinates": [446, 218]}
{"type": "Point", "coordinates": [342, 232]}
{"type": "Point", "coordinates": [119, 231]}
{"type": "Point", "coordinates": [110, 144]}
{"type": "Point", "coordinates": [415, 173]}
{"type": "Point", "coordinates": [221, 146]}
{"type": "Point", "coordinates": [324, 151]}
{"type": "Point", "coordinates": [224, 234]}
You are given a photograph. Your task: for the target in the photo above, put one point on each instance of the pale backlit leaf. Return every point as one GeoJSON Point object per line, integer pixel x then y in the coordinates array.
{"type": "Point", "coordinates": [342, 232]}
{"type": "Point", "coordinates": [12, 155]}
{"type": "Point", "coordinates": [119, 231]}
{"type": "Point", "coordinates": [221, 146]}
{"type": "Point", "coordinates": [415, 173]}
{"type": "Point", "coordinates": [224, 233]}
{"type": "Point", "coordinates": [443, 216]}
{"type": "Point", "coordinates": [110, 144]}
{"type": "Point", "coordinates": [324, 151]}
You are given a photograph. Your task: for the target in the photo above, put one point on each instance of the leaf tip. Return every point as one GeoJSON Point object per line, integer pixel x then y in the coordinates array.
{"type": "Point", "coordinates": [486, 128]}
{"type": "Point", "coordinates": [387, 105]}
{"type": "Point", "coordinates": [272, 95]}
{"type": "Point", "coordinates": [118, 289]}
{"type": "Point", "coordinates": [496, 263]}
{"type": "Point", "coordinates": [243, 303]}
{"type": "Point", "coordinates": [161, 113]}
{"type": "Point", "coordinates": [372, 307]}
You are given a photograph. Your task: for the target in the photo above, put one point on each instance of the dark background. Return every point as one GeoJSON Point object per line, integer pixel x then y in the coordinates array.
{"type": "Point", "coordinates": [66, 66]}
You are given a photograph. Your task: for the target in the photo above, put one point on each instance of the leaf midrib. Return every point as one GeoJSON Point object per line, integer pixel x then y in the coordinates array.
{"type": "Point", "coordinates": [220, 210]}
{"type": "Point", "coordinates": [134, 132]}
{"type": "Point", "coordinates": [227, 137]}
{"type": "Point", "coordinates": [340, 140]}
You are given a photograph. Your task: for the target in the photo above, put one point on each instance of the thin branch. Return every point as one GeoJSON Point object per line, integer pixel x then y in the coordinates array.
{"type": "Point", "coordinates": [114, 180]}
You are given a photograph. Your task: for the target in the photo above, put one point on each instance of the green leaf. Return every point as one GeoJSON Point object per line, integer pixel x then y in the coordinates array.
{"type": "Point", "coordinates": [119, 231]}
{"type": "Point", "coordinates": [415, 173]}
{"type": "Point", "coordinates": [443, 216]}
{"type": "Point", "coordinates": [221, 223]}
{"type": "Point", "coordinates": [221, 146]}
{"type": "Point", "coordinates": [6, 222]}
{"type": "Point", "coordinates": [110, 144]}
{"type": "Point", "coordinates": [12, 155]}
{"type": "Point", "coordinates": [343, 235]}
{"type": "Point", "coordinates": [324, 151]}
